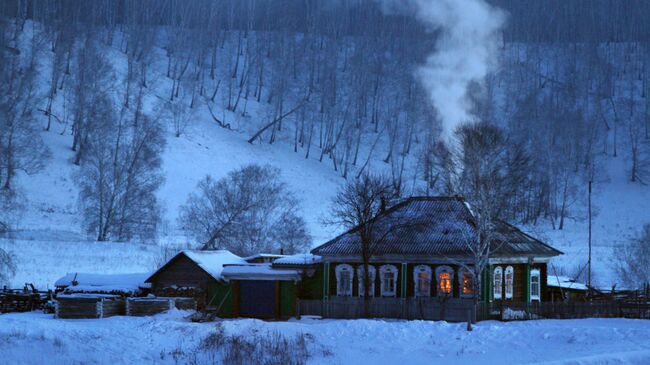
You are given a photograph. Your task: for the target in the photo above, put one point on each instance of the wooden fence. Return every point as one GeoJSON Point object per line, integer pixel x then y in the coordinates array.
{"type": "Point", "coordinates": [461, 310]}
{"type": "Point", "coordinates": [453, 310]}
{"type": "Point", "coordinates": [561, 310]}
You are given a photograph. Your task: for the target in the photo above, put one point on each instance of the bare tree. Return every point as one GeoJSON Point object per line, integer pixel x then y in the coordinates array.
{"type": "Point", "coordinates": [249, 211]}
{"type": "Point", "coordinates": [7, 267]}
{"type": "Point", "coordinates": [486, 170]}
{"type": "Point", "coordinates": [633, 259]}
{"type": "Point", "coordinates": [120, 175]}
{"type": "Point", "coordinates": [356, 206]}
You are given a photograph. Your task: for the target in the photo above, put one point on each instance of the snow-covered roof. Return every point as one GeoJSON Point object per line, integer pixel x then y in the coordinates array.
{"type": "Point", "coordinates": [263, 256]}
{"type": "Point", "coordinates": [564, 282]}
{"type": "Point", "coordinates": [298, 259]}
{"type": "Point", "coordinates": [259, 272]}
{"type": "Point", "coordinates": [105, 283]}
{"type": "Point", "coordinates": [212, 261]}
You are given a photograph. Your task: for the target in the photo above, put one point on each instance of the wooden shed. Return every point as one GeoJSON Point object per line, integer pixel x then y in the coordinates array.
{"type": "Point", "coordinates": [197, 274]}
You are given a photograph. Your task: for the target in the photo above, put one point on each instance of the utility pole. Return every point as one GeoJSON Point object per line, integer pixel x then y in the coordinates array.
{"type": "Point", "coordinates": [589, 261]}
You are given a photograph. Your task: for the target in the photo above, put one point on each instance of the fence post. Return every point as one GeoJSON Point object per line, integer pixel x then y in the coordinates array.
{"type": "Point", "coordinates": [99, 308]}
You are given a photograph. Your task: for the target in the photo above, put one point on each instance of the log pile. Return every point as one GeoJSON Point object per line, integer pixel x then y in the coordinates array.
{"type": "Point", "coordinates": [89, 306]}
{"type": "Point", "coordinates": [149, 306]}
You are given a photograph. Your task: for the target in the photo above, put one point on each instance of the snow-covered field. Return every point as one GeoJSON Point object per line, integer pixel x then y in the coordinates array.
{"type": "Point", "coordinates": [171, 339]}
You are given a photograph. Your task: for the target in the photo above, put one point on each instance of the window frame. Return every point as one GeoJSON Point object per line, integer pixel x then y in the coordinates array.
{"type": "Point", "coordinates": [372, 273]}
{"type": "Point", "coordinates": [509, 294]}
{"type": "Point", "coordinates": [450, 271]}
{"type": "Point", "coordinates": [340, 268]}
{"type": "Point", "coordinates": [499, 294]}
{"type": "Point", "coordinates": [383, 270]}
{"type": "Point", "coordinates": [538, 296]}
{"type": "Point", "coordinates": [417, 292]}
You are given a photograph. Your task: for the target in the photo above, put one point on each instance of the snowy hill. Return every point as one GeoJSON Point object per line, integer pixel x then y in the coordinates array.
{"type": "Point", "coordinates": [50, 240]}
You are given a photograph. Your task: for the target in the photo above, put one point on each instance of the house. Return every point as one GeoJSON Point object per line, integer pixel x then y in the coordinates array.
{"type": "Point", "coordinates": [233, 286]}
{"type": "Point", "coordinates": [422, 253]}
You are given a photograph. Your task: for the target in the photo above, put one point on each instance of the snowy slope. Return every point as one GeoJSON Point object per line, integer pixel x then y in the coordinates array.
{"type": "Point", "coordinates": [169, 339]}
{"type": "Point", "coordinates": [620, 208]}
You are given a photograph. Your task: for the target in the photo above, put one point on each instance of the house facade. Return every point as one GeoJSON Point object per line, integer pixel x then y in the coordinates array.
{"type": "Point", "coordinates": [423, 253]}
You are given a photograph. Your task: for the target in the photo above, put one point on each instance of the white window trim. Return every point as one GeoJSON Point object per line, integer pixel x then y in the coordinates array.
{"type": "Point", "coordinates": [497, 295]}
{"type": "Point", "coordinates": [535, 273]}
{"type": "Point", "coordinates": [440, 270]}
{"type": "Point", "coordinates": [372, 273]}
{"type": "Point", "coordinates": [460, 283]}
{"type": "Point", "coordinates": [339, 269]}
{"type": "Point", "coordinates": [388, 268]}
{"type": "Point", "coordinates": [509, 270]}
{"type": "Point", "coordinates": [416, 270]}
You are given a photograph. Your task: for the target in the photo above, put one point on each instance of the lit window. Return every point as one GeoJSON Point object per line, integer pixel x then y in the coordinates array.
{"type": "Point", "coordinates": [445, 276]}
{"type": "Point", "coordinates": [422, 280]}
{"type": "Point", "coordinates": [509, 276]}
{"type": "Point", "coordinates": [534, 285]}
{"type": "Point", "coordinates": [344, 280]}
{"type": "Point", "coordinates": [371, 277]}
{"type": "Point", "coordinates": [467, 283]}
{"type": "Point", "coordinates": [498, 282]}
{"type": "Point", "coordinates": [388, 276]}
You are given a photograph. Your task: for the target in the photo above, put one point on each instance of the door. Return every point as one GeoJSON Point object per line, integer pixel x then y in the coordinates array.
{"type": "Point", "coordinates": [257, 298]}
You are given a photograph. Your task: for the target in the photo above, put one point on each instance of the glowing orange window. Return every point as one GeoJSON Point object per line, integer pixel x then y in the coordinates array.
{"type": "Point", "coordinates": [468, 284]}
{"type": "Point", "coordinates": [444, 278]}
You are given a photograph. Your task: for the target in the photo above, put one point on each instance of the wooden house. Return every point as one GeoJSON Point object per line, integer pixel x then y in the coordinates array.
{"type": "Point", "coordinates": [423, 254]}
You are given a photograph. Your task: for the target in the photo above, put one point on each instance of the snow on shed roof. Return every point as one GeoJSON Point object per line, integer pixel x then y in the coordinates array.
{"type": "Point", "coordinates": [298, 259]}
{"type": "Point", "coordinates": [213, 261]}
{"type": "Point", "coordinates": [564, 282]}
{"type": "Point", "coordinates": [136, 280]}
{"type": "Point", "coordinates": [259, 272]}
{"type": "Point", "coordinates": [263, 255]}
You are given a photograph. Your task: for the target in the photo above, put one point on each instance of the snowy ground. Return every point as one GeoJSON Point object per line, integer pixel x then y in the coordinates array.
{"type": "Point", "coordinates": [169, 339]}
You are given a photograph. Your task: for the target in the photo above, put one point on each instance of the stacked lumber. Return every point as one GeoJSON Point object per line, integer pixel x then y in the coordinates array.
{"type": "Point", "coordinates": [153, 305]}
{"type": "Point", "coordinates": [88, 306]}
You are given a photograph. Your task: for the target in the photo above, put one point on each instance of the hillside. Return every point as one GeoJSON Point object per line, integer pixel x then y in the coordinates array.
{"type": "Point", "coordinates": [49, 239]}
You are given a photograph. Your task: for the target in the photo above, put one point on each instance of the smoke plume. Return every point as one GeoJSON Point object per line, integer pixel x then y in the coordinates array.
{"type": "Point", "coordinates": [466, 52]}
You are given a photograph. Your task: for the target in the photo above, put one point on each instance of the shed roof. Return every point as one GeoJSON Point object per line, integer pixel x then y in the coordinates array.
{"type": "Point", "coordinates": [103, 283]}
{"type": "Point", "coordinates": [565, 282]}
{"type": "Point", "coordinates": [298, 260]}
{"type": "Point", "coordinates": [438, 226]}
{"type": "Point", "coordinates": [212, 261]}
{"type": "Point", "coordinates": [260, 272]}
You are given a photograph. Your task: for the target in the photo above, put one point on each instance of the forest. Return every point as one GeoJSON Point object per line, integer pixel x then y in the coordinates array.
{"type": "Point", "coordinates": [339, 81]}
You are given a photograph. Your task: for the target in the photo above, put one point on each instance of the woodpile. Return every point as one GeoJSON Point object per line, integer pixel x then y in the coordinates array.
{"type": "Point", "coordinates": [89, 306]}
{"type": "Point", "coordinates": [149, 306]}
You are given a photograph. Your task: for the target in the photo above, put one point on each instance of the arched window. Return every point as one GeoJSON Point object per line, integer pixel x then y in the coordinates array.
{"type": "Point", "coordinates": [371, 277]}
{"type": "Point", "coordinates": [509, 280]}
{"type": "Point", "coordinates": [466, 283]}
{"type": "Point", "coordinates": [535, 285]}
{"type": "Point", "coordinates": [444, 275]}
{"type": "Point", "coordinates": [498, 282]}
{"type": "Point", "coordinates": [422, 280]}
{"type": "Point", "coordinates": [388, 276]}
{"type": "Point", "coordinates": [344, 273]}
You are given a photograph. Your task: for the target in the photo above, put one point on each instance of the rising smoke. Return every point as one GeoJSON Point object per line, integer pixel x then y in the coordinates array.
{"type": "Point", "coordinates": [466, 52]}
